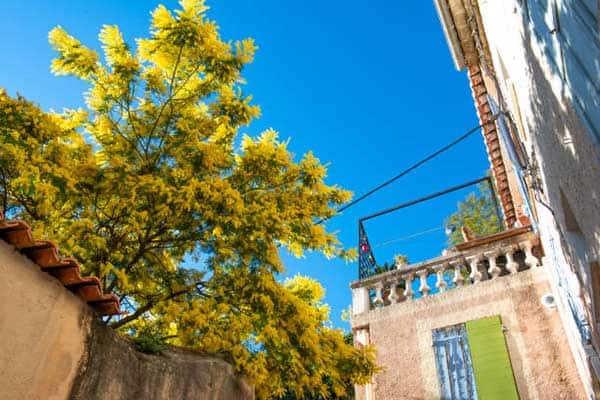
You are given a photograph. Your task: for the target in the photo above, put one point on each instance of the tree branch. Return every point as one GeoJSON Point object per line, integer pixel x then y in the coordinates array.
{"type": "Point", "coordinates": [151, 303]}
{"type": "Point", "coordinates": [168, 99]}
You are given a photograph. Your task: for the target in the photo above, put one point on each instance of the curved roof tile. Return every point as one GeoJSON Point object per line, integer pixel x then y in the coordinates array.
{"type": "Point", "coordinates": [44, 253]}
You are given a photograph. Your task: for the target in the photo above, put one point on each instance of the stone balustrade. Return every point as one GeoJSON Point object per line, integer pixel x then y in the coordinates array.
{"type": "Point", "coordinates": [491, 257]}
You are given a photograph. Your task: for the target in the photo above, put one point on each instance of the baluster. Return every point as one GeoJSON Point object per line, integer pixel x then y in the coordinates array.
{"type": "Point", "coordinates": [400, 291]}
{"type": "Point", "coordinates": [458, 278]}
{"type": "Point", "coordinates": [408, 290]}
{"type": "Point", "coordinates": [424, 287]}
{"type": "Point", "coordinates": [511, 265]}
{"type": "Point", "coordinates": [530, 260]}
{"type": "Point", "coordinates": [493, 269]}
{"type": "Point", "coordinates": [378, 295]}
{"type": "Point", "coordinates": [394, 298]}
{"type": "Point", "coordinates": [441, 283]}
{"type": "Point", "coordinates": [473, 264]}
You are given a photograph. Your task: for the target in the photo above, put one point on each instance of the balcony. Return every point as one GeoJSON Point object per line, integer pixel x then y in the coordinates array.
{"type": "Point", "coordinates": [497, 256]}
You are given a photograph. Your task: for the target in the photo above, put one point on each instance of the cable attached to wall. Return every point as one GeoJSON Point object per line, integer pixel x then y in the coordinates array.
{"type": "Point", "coordinates": [412, 167]}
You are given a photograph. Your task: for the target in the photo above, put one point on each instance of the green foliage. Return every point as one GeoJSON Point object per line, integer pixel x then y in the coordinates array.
{"type": "Point", "coordinates": [390, 266]}
{"type": "Point", "coordinates": [153, 190]}
{"type": "Point", "coordinates": [385, 267]}
{"type": "Point", "coordinates": [330, 393]}
{"type": "Point", "coordinates": [477, 212]}
{"type": "Point", "coordinates": [150, 342]}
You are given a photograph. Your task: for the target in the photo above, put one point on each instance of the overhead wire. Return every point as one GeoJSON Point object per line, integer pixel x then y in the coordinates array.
{"type": "Point", "coordinates": [412, 236]}
{"type": "Point", "coordinates": [412, 167]}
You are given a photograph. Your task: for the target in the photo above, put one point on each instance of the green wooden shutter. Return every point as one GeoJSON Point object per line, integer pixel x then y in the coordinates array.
{"type": "Point", "coordinates": [491, 364]}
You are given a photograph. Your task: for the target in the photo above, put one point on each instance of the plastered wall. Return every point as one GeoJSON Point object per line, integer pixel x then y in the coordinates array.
{"type": "Point", "coordinates": [541, 84]}
{"type": "Point", "coordinates": [43, 330]}
{"type": "Point", "coordinates": [542, 363]}
{"type": "Point", "coordinates": [52, 347]}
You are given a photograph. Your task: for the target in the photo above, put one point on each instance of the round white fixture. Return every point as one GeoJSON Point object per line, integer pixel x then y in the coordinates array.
{"type": "Point", "coordinates": [548, 300]}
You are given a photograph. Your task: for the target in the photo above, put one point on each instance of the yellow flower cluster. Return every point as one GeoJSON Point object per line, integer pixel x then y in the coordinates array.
{"type": "Point", "coordinates": [149, 190]}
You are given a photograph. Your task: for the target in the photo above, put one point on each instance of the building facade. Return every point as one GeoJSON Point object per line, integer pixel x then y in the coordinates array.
{"type": "Point", "coordinates": [483, 301]}
{"type": "Point", "coordinates": [534, 70]}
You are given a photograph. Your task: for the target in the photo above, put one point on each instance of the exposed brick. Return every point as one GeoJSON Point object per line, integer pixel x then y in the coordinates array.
{"type": "Point", "coordinates": [490, 134]}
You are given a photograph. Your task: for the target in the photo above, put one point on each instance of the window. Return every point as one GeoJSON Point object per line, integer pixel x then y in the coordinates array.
{"type": "Point", "coordinates": [453, 358]}
{"type": "Point", "coordinates": [545, 24]}
{"type": "Point", "coordinates": [473, 362]}
{"type": "Point", "coordinates": [568, 285]}
{"type": "Point", "coordinates": [586, 270]}
{"type": "Point", "coordinates": [525, 8]}
{"type": "Point", "coordinates": [567, 33]}
{"type": "Point", "coordinates": [575, 238]}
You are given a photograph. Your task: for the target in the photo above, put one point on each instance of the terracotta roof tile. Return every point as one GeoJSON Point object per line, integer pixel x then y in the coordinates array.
{"type": "Point", "coordinates": [491, 139]}
{"type": "Point", "coordinates": [44, 253]}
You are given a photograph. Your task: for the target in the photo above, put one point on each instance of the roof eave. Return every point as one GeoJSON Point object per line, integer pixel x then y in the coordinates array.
{"type": "Point", "coordinates": [452, 39]}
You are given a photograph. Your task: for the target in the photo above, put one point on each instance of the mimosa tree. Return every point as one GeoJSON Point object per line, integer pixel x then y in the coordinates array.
{"type": "Point", "coordinates": [151, 188]}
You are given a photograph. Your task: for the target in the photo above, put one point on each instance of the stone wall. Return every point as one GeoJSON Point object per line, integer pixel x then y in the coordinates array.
{"type": "Point", "coordinates": [112, 369]}
{"type": "Point", "coordinates": [402, 333]}
{"type": "Point", "coordinates": [536, 72]}
{"type": "Point", "coordinates": [52, 348]}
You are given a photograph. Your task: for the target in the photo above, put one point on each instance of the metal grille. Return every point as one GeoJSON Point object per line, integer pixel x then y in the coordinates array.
{"type": "Point", "coordinates": [575, 305]}
{"type": "Point", "coordinates": [366, 260]}
{"type": "Point", "coordinates": [454, 365]}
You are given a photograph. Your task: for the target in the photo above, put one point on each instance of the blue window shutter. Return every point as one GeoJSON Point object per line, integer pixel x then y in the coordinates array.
{"type": "Point", "coordinates": [454, 365]}
{"type": "Point", "coordinates": [580, 41]}
{"type": "Point", "coordinates": [545, 26]}
{"type": "Point", "coordinates": [567, 33]}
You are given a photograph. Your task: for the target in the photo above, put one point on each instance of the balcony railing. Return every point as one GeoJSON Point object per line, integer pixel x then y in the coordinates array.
{"type": "Point", "coordinates": [477, 260]}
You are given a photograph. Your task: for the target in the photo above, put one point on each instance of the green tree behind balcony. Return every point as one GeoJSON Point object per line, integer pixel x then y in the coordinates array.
{"type": "Point", "coordinates": [477, 213]}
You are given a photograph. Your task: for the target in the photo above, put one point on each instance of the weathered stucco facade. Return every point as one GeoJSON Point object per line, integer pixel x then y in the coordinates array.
{"type": "Point", "coordinates": [402, 312]}
{"type": "Point", "coordinates": [53, 348]}
{"type": "Point", "coordinates": [544, 58]}
{"type": "Point", "coordinates": [534, 71]}
{"type": "Point", "coordinates": [402, 333]}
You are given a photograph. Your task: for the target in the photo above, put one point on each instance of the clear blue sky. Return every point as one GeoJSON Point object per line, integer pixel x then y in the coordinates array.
{"type": "Point", "coordinates": [368, 86]}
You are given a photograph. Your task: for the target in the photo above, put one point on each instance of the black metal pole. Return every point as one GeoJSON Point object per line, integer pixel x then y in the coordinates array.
{"type": "Point", "coordinates": [422, 199]}
{"type": "Point", "coordinates": [496, 205]}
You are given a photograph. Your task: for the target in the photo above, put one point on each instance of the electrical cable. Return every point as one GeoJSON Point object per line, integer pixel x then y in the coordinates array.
{"type": "Point", "coordinates": [412, 167]}
{"type": "Point", "coordinates": [426, 198]}
{"type": "Point", "coordinates": [414, 235]}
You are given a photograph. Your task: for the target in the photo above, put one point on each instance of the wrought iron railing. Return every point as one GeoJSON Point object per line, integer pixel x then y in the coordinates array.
{"type": "Point", "coordinates": [367, 266]}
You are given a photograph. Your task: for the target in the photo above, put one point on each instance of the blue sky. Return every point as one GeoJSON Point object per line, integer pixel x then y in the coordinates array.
{"type": "Point", "coordinates": [368, 86]}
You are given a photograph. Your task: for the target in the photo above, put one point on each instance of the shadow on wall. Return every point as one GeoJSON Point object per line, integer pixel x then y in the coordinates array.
{"type": "Point", "coordinates": [566, 150]}
{"type": "Point", "coordinates": [567, 32]}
